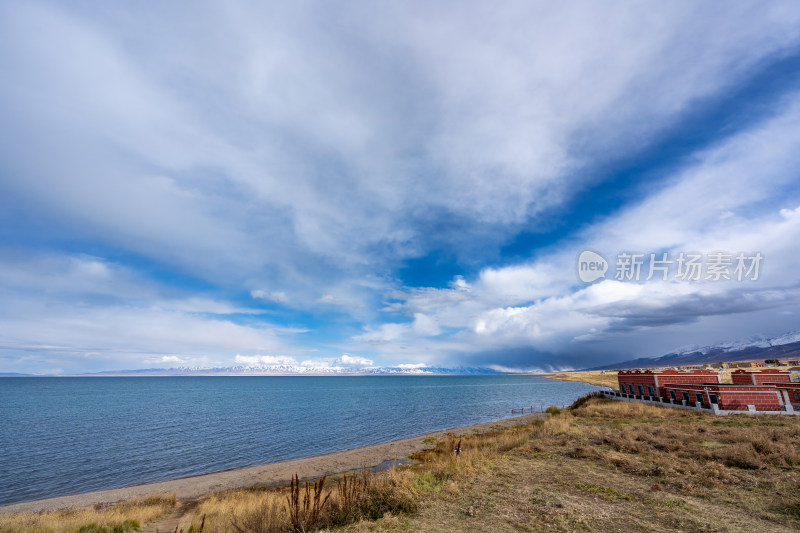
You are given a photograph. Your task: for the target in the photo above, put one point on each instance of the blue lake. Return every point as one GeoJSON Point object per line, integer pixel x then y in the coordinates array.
{"type": "Point", "coordinates": [61, 436]}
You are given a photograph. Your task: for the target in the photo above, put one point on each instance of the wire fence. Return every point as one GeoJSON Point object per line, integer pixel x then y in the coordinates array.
{"type": "Point", "coordinates": [542, 408]}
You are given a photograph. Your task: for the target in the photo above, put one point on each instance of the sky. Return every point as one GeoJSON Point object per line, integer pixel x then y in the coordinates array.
{"type": "Point", "coordinates": [357, 184]}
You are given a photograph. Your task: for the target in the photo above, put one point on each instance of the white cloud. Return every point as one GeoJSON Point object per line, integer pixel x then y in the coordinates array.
{"type": "Point", "coordinates": [344, 361]}
{"type": "Point", "coordinates": [543, 306]}
{"type": "Point", "coordinates": [412, 366]}
{"type": "Point", "coordinates": [351, 360]}
{"type": "Point", "coordinates": [425, 325]}
{"type": "Point", "coordinates": [317, 363]}
{"type": "Point", "coordinates": [76, 309]}
{"type": "Point", "coordinates": [499, 102]}
{"type": "Point", "coordinates": [266, 360]}
{"type": "Point", "coordinates": [274, 296]}
{"type": "Point", "coordinates": [316, 149]}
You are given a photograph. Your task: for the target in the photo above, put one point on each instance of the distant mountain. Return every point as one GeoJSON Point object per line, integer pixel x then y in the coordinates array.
{"type": "Point", "coordinates": [12, 375]}
{"type": "Point", "coordinates": [786, 346]}
{"type": "Point", "coordinates": [295, 370]}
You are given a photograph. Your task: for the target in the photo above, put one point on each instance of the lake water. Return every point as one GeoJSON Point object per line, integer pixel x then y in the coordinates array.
{"type": "Point", "coordinates": [61, 436]}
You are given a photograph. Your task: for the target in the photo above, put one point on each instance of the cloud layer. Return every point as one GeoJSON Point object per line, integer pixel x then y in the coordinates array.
{"type": "Point", "coordinates": [404, 183]}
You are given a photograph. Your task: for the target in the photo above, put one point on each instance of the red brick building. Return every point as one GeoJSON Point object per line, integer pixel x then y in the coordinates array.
{"type": "Point", "coordinates": [637, 382]}
{"type": "Point", "coordinates": [759, 377]}
{"type": "Point", "coordinates": [726, 397]}
{"type": "Point", "coordinates": [646, 383]}
{"type": "Point", "coordinates": [790, 391]}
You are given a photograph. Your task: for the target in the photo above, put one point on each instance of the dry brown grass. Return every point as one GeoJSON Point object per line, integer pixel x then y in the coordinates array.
{"type": "Point", "coordinates": [596, 377]}
{"type": "Point", "coordinates": [365, 497]}
{"type": "Point", "coordinates": [128, 516]}
{"type": "Point", "coordinates": [616, 466]}
{"type": "Point", "coordinates": [353, 497]}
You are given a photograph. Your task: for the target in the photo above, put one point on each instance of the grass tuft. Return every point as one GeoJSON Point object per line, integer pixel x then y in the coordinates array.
{"type": "Point", "coordinates": [120, 518]}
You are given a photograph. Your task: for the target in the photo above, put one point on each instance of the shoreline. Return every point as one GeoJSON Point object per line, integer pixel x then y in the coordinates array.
{"type": "Point", "coordinates": [598, 378]}
{"type": "Point", "coordinates": [268, 475]}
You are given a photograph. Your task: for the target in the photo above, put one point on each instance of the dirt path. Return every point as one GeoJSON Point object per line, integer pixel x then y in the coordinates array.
{"type": "Point", "coordinates": [168, 524]}
{"type": "Point", "coordinates": [178, 520]}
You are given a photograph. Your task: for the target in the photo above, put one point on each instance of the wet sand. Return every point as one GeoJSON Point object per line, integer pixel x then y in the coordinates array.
{"type": "Point", "coordinates": [269, 475]}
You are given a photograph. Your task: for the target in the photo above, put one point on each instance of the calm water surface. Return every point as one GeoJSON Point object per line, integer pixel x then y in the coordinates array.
{"type": "Point", "coordinates": [62, 436]}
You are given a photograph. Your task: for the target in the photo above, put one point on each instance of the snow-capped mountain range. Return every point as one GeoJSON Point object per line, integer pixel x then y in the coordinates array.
{"type": "Point", "coordinates": [288, 369]}
{"type": "Point", "coordinates": [786, 346]}
{"type": "Point", "coordinates": [758, 341]}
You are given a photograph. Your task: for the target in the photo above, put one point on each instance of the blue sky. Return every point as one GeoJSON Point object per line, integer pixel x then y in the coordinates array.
{"type": "Point", "coordinates": [404, 183]}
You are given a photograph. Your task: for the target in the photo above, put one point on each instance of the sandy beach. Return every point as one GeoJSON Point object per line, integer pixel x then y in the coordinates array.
{"type": "Point", "coordinates": [268, 475]}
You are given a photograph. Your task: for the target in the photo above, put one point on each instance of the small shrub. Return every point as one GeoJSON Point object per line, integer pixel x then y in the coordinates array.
{"type": "Point", "coordinates": [305, 517]}
{"type": "Point", "coordinates": [791, 510]}
{"type": "Point", "coordinates": [591, 397]}
{"type": "Point", "coordinates": [350, 494]}
{"type": "Point", "coordinates": [714, 474]}
{"type": "Point", "coordinates": [267, 516]}
{"type": "Point", "coordinates": [740, 455]}
{"type": "Point", "coordinates": [427, 482]}
{"type": "Point", "coordinates": [393, 495]}
{"type": "Point", "coordinates": [584, 452]}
